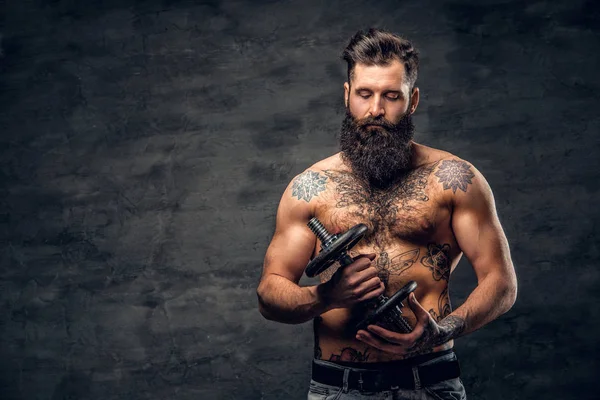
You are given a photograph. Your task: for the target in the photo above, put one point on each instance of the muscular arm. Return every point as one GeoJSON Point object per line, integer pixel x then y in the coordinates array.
{"type": "Point", "coordinates": [280, 298]}
{"type": "Point", "coordinates": [284, 301]}
{"type": "Point", "coordinates": [482, 240]}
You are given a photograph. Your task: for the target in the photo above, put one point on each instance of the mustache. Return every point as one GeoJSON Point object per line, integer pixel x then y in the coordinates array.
{"type": "Point", "coordinates": [363, 123]}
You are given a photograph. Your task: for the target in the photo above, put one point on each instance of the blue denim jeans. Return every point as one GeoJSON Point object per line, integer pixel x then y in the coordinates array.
{"type": "Point", "coordinates": [451, 389]}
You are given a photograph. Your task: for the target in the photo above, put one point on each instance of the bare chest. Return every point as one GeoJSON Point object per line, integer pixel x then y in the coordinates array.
{"type": "Point", "coordinates": [408, 212]}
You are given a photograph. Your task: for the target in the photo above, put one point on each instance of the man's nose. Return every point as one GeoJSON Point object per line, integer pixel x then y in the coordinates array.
{"type": "Point", "coordinates": [376, 107]}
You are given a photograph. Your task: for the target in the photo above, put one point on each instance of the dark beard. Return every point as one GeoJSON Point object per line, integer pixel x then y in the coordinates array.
{"type": "Point", "coordinates": [379, 156]}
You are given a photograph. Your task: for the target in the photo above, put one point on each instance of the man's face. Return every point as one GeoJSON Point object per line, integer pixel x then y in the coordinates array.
{"type": "Point", "coordinates": [379, 91]}
{"type": "Point", "coordinates": [377, 130]}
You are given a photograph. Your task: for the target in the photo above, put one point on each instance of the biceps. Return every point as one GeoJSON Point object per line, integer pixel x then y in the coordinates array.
{"type": "Point", "coordinates": [289, 252]}
{"type": "Point", "coordinates": [482, 240]}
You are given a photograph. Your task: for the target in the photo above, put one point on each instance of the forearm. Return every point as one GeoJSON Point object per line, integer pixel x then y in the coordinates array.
{"type": "Point", "coordinates": [284, 301]}
{"type": "Point", "coordinates": [493, 296]}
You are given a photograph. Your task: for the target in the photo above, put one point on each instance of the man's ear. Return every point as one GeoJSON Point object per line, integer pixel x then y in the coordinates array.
{"type": "Point", "coordinates": [346, 93]}
{"type": "Point", "coordinates": [414, 100]}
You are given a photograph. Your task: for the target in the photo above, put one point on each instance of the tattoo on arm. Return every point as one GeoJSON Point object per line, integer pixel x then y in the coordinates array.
{"type": "Point", "coordinates": [438, 260]}
{"type": "Point", "coordinates": [308, 185]}
{"type": "Point", "coordinates": [453, 326]}
{"type": "Point", "coordinates": [454, 175]}
{"type": "Point", "coordinates": [437, 334]}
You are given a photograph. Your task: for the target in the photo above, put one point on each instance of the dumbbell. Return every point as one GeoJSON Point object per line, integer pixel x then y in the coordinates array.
{"type": "Point", "coordinates": [386, 311]}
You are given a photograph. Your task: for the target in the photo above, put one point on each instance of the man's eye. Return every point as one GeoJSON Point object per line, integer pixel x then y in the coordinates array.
{"type": "Point", "coordinates": [393, 97]}
{"type": "Point", "coordinates": [365, 96]}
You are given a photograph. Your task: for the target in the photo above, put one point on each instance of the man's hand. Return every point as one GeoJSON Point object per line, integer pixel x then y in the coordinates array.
{"type": "Point", "coordinates": [426, 335]}
{"type": "Point", "coordinates": [352, 284]}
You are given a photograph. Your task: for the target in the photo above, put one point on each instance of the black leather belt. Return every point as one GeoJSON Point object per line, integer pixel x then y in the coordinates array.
{"type": "Point", "coordinates": [376, 380]}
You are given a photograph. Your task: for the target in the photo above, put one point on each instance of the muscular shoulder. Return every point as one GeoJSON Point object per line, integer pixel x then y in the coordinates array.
{"type": "Point", "coordinates": [455, 178]}
{"type": "Point", "coordinates": [462, 184]}
{"type": "Point", "coordinates": [454, 174]}
{"type": "Point", "coordinates": [309, 186]}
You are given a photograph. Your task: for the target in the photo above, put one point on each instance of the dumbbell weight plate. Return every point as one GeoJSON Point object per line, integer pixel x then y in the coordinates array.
{"type": "Point", "coordinates": [335, 250]}
{"type": "Point", "coordinates": [393, 301]}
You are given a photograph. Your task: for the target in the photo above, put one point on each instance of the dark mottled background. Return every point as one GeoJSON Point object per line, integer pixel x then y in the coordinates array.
{"type": "Point", "coordinates": [144, 146]}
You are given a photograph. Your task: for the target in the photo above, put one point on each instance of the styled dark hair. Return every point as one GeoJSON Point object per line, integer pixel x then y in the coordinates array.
{"type": "Point", "coordinates": [380, 47]}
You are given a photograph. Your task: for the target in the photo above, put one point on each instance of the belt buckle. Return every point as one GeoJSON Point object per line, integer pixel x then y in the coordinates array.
{"type": "Point", "coordinates": [360, 381]}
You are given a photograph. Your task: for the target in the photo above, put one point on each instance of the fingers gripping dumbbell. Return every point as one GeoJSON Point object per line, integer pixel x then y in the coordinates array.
{"type": "Point", "coordinates": [386, 311]}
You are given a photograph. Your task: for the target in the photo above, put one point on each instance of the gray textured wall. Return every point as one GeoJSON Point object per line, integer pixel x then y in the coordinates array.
{"type": "Point", "coordinates": [144, 147]}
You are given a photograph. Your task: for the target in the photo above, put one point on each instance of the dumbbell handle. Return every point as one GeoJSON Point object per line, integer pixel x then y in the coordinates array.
{"type": "Point", "coordinates": [321, 232]}
{"type": "Point", "coordinates": [345, 260]}
{"type": "Point", "coordinates": [394, 316]}
{"type": "Point", "coordinates": [326, 239]}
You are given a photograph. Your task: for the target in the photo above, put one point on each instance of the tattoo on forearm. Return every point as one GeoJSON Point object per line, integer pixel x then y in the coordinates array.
{"type": "Point", "coordinates": [453, 326]}
{"type": "Point", "coordinates": [350, 354]}
{"type": "Point", "coordinates": [424, 343]}
{"type": "Point", "coordinates": [438, 334]}
{"type": "Point", "coordinates": [438, 260]}
{"type": "Point", "coordinates": [454, 175]}
{"type": "Point", "coordinates": [444, 307]}
{"type": "Point", "coordinates": [308, 185]}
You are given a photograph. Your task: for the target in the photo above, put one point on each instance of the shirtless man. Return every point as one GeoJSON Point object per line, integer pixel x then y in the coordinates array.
{"type": "Point", "coordinates": [424, 208]}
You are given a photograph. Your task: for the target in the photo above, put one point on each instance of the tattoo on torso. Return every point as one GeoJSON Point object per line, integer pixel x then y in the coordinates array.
{"type": "Point", "coordinates": [383, 209]}
{"type": "Point", "coordinates": [351, 354]}
{"type": "Point", "coordinates": [386, 266]}
{"type": "Point", "coordinates": [396, 265]}
{"type": "Point", "coordinates": [403, 211]}
{"type": "Point", "coordinates": [444, 307]}
{"type": "Point", "coordinates": [317, 346]}
{"type": "Point", "coordinates": [438, 260]}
